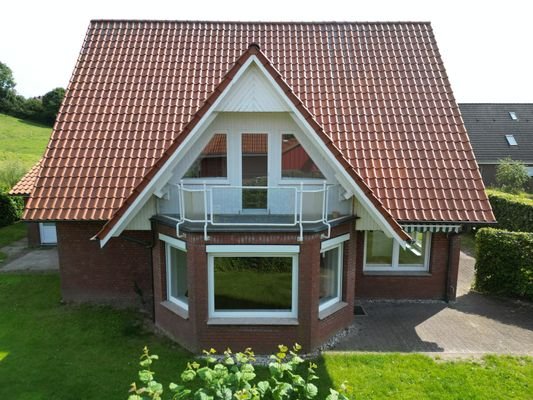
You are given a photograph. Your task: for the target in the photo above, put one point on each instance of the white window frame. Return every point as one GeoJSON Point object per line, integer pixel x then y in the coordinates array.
{"type": "Point", "coordinates": [331, 244]}
{"type": "Point", "coordinates": [180, 245]}
{"type": "Point", "coordinates": [251, 251]}
{"type": "Point", "coordinates": [395, 266]}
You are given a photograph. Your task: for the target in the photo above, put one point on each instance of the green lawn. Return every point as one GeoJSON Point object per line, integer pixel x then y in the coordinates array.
{"type": "Point", "coordinates": [54, 351]}
{"type": "Point", "coordinates": [11, 233]}
{"type": "Point", "coordinates": [22, 140]}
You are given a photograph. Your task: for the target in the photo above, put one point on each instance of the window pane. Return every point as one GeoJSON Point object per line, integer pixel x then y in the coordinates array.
{"type": "Point", "coordinates": [212, 161]}
{"type": "Point", "coordinates": [254, 169]}
{"type": "Point", "coordinates": [295, 162]}
{"type": "Point", "coordinates": [329, 275]}
{"type": "Point", "coordinates": [178, 274]}
{"type": "Point", "coordinates": [414, 252]}
{"type": "Point", "coordinates": [253, 283]}
{"type": "Point", "coordinates": [378, 248]}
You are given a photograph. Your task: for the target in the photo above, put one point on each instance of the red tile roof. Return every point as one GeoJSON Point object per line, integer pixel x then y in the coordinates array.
{"type": "Point", "coordinates": [25, 185]}
{"type": "Point", "coordinates": [377, 91]}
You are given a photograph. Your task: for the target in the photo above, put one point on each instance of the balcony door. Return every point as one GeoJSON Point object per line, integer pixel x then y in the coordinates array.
{"type": "Point", "coordinates": [254, 166]}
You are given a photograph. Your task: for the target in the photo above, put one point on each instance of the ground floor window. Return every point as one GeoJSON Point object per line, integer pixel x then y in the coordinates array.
{"type": "Point", "coordinates": [248, 283]}
{"type": "Point", "coordinates": [331, 269]}
{"type": "Point", "coordinates": [385, 254]}
{"type": "Point", "coordinates": [176, 271]}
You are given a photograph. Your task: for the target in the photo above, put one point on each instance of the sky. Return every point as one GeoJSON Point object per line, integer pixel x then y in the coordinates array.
{"type": "Point", "coordinates": [486, 45]}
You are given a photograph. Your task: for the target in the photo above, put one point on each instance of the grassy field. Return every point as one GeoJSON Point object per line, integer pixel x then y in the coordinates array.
{"type": "Point", "coordinates": [54, 351]}
{"type": "Point", "coordinates": [22, 140]}
{"type": "Point", "coordinates": [11, 233]}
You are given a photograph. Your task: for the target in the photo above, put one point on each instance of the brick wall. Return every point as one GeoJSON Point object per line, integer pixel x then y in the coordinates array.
{"type": "Point", "coordinates": [34, 234]}
{"type": "Point", "coordinates": [116, 274]}
{"type": "Point", "coordinates": [195, 333]}
{"type": "Point", "coordinates": [432, 286]}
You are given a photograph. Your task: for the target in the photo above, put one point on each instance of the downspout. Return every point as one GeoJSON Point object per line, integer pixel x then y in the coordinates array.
{"type": "Point", "coordinates": [449, 269]}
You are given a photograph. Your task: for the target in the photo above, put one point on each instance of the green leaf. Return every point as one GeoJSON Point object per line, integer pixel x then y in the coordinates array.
{"type": "Point", "coordinates": [188, 375]}
{"type": "Point", "coordinates": [263, 387]}
{"type": "Point", "coordinates": [145, 375]}
{"type": "Point", "coordinates": [311, 390]}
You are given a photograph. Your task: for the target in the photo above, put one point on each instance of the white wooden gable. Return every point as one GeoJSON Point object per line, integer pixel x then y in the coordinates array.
{"type": "Point", "coordinates": [253, 93]}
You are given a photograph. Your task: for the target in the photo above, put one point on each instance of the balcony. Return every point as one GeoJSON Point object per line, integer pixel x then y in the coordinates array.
{"type": "Point", "coordinates": [297, 205]}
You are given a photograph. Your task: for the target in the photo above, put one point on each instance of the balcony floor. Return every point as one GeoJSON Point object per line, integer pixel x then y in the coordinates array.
{"type": "Point", "coordinates": [241, 222]}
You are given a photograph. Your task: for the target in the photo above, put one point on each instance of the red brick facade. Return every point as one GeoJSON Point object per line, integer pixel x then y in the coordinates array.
{"type": "Point", "coordinates": [196, 333]}
{"type": "Point", "coordinates": [34, 234]}
{"type": "Point", "coordinates": [122, 273]}
{"type": "Point", "coordinates": [430, 285]}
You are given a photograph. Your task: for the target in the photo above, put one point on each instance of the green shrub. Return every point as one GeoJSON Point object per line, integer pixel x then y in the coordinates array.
{"type": "Point", "coordinates": [11, 208]}
{"type": "Point", "coordinates": [511, 175]}
{"type": "Point", "coordinates": [232, 377]}
{"type": "Point", "coordinates": [10, 173]}
{"type": "Point", "coordinates": [513, 212]}
{"type": "Point", "coordinates": [504, 263]}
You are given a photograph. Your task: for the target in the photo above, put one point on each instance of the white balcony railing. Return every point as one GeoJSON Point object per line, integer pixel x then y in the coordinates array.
{"type": "Point", "coordinates": [287, 205]}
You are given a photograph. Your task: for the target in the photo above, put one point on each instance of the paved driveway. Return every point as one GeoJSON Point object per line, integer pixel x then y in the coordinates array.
{"type": "Point", "coordinates": [21, 258]}
{"type": "Point", "coordinates": [473, 325]}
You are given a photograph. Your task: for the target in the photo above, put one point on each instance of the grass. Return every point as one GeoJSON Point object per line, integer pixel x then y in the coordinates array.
{"type": "Point", "coordinates": [396, 376]}
{"type": "Point", "coordinates": [10, 234]}
{"type": "Point", "coordinates": [21, 140]}
{"type": "Point", "coordinates": [54, 351]}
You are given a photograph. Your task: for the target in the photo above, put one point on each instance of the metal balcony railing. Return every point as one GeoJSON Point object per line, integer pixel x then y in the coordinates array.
{"type": "Point", "coordinates": [287, 205]}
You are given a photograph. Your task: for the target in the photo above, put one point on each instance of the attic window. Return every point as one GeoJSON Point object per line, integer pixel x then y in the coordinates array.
{"type": "Point", "coordinates": [511, 140]}
{"type": "Point", "coordinates": [513, 115]}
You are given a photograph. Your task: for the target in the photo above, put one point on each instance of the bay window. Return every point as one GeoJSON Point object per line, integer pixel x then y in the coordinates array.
{"type": "Point", "coordinates": [331, 269]}
{"type": "Point", "coordinates": [252, 281]}
{"type": "Point", "coordinates": [385, 254]}
{"type": "Point", "coordinates": [176, 271]}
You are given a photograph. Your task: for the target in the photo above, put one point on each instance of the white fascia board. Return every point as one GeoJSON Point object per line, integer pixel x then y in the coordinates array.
{"type": "Point", "coordinates": [355, 189]}
{"type": "Point", "coordinates": [158, 180]}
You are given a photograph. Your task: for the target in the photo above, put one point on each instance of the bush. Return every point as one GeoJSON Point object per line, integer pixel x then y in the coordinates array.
{"type": "Point", "coordinates": [511, 175]}
{"type": "Point", "coordinates": [504, 263]}
{"type": "Point", "coordinates": [513, 212]}
{"type": "Point", "coordinates": [10, 174]}
{"type": "Point", "coordinates": [10, 209]}
{"type": "Point", "coordinates": [232, 377]}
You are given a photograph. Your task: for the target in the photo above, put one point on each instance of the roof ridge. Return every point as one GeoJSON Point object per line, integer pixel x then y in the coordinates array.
{"type": "Point", "coordinates": [496, 104]}
{"type": "Point", "coordinates": [325, 22]}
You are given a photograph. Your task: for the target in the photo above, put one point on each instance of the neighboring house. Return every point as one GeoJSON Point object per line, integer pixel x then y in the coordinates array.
{"type": "Point", "coordinates": [498, 131]}
{"type": "Point", "coordinates": [250, 181]}
{"type": "Point", "coordinates": [39, 233]}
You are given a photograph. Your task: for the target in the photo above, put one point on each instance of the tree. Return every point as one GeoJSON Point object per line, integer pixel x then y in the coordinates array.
{"type": "Point", "coordinates": [511, 175]}
{"type": "Point", "coordinates": [7, 87]}
{"type": "Point", "coordinates": [51, 103]}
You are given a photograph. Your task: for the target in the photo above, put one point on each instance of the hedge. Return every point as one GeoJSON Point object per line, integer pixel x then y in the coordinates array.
{"type": "Point", "coordinates": [10, 209]}
{"type": "Point", "coordinates": [513, 212]}
{"type": "Point", "coordinates": [504, 263]}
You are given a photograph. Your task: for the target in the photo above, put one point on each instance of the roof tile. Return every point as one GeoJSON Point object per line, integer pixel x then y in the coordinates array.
{"type": "Point", "coordinates": [378, 90]}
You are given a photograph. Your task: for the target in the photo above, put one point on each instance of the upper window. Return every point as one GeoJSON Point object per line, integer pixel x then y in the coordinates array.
{"type": "Point", "coordinates": [385, 254]}
{"type": "Point", "coordinates": [331, 268]}
{"type": "Point", "coordinates": [513, 115]}
{"type": "Point", "coordinates": [212, 161]}
{"type": "Point", "coordinates": [295, 162]}
{"type": "Point", "coordinates": [511, 140]}
{"type": "Point", "coordinates": [252, 284]}
{"type": "Point", "coordinates": [176, 261]}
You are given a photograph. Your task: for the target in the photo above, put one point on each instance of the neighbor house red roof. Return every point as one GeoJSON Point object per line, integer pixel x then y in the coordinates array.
{"type": "Point", "coordinates": [378, 92]}
{"type": "Point", "coordinates": [24, 187]}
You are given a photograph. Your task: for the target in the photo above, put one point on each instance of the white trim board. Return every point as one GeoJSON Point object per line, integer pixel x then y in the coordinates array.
{"type": "Point", "coordinates": [158, 180]}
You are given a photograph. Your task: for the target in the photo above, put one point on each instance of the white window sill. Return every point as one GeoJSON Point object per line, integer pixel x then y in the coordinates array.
{"type": "Point", "coordinates": [326, 312]}
{"type": "Point", "coordinates": [252, 321]}
{"type": "Point", "coordinates": [396, 273]}
{"type": "Point", "coordinates": [180, 311]}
